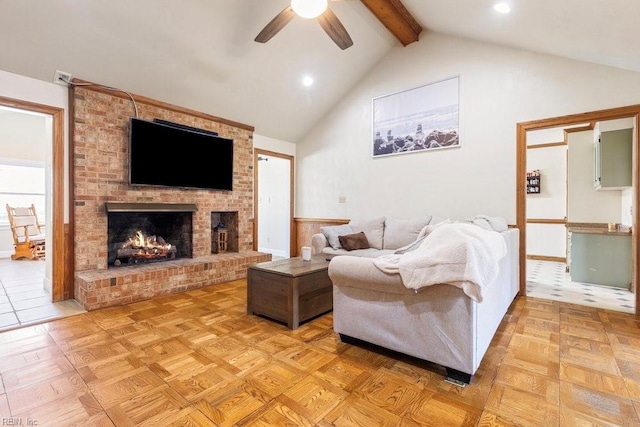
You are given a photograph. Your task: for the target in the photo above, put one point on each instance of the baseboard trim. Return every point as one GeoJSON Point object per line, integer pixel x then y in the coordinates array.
{"type": "Point", "coordinates": [6, 254]}
{"type": "Point", "coordinates": [48, 285]}
{"type": "Point", "coordinates": [274, 252]}
{"type": "Point", "coordinates": [547, 258]}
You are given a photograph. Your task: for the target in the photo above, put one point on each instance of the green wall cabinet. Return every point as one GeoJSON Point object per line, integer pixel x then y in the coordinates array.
{"type": "Point", "coordinates": [612, 160]}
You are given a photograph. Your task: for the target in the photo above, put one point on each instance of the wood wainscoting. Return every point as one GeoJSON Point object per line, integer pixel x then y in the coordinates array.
{"type": "Point", "coordinates": [552, 221]}
{"type": "Point", "coordinates": [304, 228]}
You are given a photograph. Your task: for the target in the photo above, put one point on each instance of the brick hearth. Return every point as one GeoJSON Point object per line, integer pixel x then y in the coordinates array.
{"type": "Point", "coordinates": [105, 288]}
{"type": "Point", "coordinates": [100, 125]}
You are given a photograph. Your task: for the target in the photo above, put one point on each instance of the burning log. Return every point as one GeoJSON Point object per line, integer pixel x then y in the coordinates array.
{"type": "Point", "coordinates": [140, 253]}
{"type": "Point", "coordinates": [141, 247]}
{"type": "Point", "coordinates": [139, 241]}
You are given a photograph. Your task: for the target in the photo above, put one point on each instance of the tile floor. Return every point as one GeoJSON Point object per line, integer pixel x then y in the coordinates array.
{"type": "Point", "coordinates": [549, 280]}
{"type": "Point", "coordinates": [23, 299]}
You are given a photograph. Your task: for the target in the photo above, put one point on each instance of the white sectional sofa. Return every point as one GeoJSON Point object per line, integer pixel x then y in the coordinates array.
{"type": "Point", "coordinates": [438, 323]}
{"type": "Point", "coordinates": [385, 235]}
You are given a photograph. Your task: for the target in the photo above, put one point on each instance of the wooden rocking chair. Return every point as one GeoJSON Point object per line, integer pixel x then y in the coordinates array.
{"type": "Point", "coordinates": [28, 234]}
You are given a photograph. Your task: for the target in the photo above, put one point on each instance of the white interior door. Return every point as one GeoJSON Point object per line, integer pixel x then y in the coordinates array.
{"type": "Point", "coordinates": [274, 205]}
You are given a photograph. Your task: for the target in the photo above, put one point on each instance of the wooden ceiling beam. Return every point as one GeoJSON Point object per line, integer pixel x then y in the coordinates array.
{"type": "Point", "coordinates": [396, 18]}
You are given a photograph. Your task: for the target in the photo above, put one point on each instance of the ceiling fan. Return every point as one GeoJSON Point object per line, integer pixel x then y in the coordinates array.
{"type": "Point", "coordinates": [309, 9]}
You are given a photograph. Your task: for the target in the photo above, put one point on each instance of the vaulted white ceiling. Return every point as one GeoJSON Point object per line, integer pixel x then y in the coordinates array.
{"type": "Point", "coordinates": [200, 54]}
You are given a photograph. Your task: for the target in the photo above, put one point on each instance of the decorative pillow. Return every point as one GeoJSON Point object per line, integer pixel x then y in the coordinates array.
{"type": "Point", "coordinates": [332, 233]}
{"type": "Point", "coordinates": [372, 228]}
{"type": "Point", "coordinates": [401, 232]}
{"type": "Point", "coordinates": [354, 241]}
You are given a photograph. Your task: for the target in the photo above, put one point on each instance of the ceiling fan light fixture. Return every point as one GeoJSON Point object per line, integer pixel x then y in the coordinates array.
{"type": "Point", "coordinates": [309, 8]}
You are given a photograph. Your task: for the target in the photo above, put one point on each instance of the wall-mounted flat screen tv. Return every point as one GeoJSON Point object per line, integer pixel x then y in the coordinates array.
{"type": "Point", "coordinates": [175, 156]}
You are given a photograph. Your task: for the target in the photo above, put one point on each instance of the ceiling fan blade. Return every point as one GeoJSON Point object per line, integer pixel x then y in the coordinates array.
{"type": "Point", "coordinates": [334, 28]}
{"type": "Point", "coordinates": [276, 24]}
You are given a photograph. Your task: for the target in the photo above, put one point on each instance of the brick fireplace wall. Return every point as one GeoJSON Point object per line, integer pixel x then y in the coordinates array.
{"type": "Point", "coordinates": [100, 174]}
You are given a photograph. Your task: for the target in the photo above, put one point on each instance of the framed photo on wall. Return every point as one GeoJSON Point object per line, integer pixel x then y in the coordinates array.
{"type": "Point", "coordinates": [416, 120]}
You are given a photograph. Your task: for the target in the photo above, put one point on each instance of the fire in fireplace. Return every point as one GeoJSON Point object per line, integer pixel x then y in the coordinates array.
{"type": "Point", "coordinates": [148, 232]}
{"type": "Point", "coordinates": [144, 248]}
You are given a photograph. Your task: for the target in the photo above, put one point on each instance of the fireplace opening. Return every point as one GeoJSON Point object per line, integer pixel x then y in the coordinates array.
{"type": "Point", "coordinates": [143, 237]}
{"type": "Point", "coordinates": [224, 232]}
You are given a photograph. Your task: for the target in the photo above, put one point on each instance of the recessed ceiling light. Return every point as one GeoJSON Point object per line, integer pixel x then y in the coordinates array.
{"type": "Point", "coordinates": [307, 81]}
{"type": "Point", "coordinates": [502, 7]}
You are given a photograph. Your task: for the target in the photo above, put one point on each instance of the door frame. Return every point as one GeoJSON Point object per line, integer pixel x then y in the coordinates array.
{"type": "Point", "coordinates": [632, 111]}
{"type": "Point", "coordinates": [256, 153]}
{"type": "Point", "coordinates": [55, 248]}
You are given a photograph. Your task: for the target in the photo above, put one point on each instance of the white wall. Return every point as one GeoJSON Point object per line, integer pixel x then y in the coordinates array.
{"type": "Point", "coordinates": [275, 145]}
{"type": "Point", "coordinates": [6, 241]}
{"type": "Point", "coordinates": [23, 135]}
{"type": "Point", "coordinates": [499, 88]}
{"type": "Point", "coordinates": [547, 240]}
{"type": "Point", "coordinates": [626, 217]}
{"type": "Point", "coordinates": [551, 202]}
{"type": "Point", "coordinates": [545, 136]}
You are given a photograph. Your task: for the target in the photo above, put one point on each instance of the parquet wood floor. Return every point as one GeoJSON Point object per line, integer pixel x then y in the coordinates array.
{"type": "Point", "coordinates": [197, 359]}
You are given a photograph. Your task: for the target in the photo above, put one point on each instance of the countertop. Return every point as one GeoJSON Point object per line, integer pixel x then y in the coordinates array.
{"type": "Point", "coordinates": [596, 228]}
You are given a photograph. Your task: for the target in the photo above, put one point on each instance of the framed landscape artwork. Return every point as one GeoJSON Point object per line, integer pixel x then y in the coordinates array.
{"type": "Point", "coordinates": [416, 120]}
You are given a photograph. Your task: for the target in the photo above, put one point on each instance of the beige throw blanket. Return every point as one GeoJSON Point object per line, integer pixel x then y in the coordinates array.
{"type": "Point", "coordinates": [459, 254]}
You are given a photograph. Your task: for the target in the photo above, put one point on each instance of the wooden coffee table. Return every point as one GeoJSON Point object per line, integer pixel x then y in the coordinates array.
{"type": "Point", "coordinates": [290, 290]}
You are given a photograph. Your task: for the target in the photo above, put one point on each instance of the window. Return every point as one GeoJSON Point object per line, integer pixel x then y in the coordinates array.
{"type": "Point", "coordinates": [21, 184]}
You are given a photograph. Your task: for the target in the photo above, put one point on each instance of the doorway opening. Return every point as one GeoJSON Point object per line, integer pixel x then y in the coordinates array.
{"type": "Point", "coordinates": [539, 227]}
{"type": "Point", "coordinates": [273, 203]}
{"type": "Point", "coordinates": [51, 271]}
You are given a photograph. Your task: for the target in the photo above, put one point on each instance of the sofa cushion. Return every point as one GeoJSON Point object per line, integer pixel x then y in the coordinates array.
{"type": "Point", "coordinates": [364, 253]}
{"type": "Point", "coordinates": [437, 219]}
{"type": "Point", "coordinates": [411, 246]}
{"type": "Point", "coordinates": [401, 232]}
{"type": "Point", "coordinates": [372, 228]}
{"type": "Point", "coordinates": [353, 241]}
{"type": "Point", "coordinates": [332, 232]}
{"type": "Point", "coordinates": [494, 223]}
{"type": "Point", "coordinates": [428, 229]}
